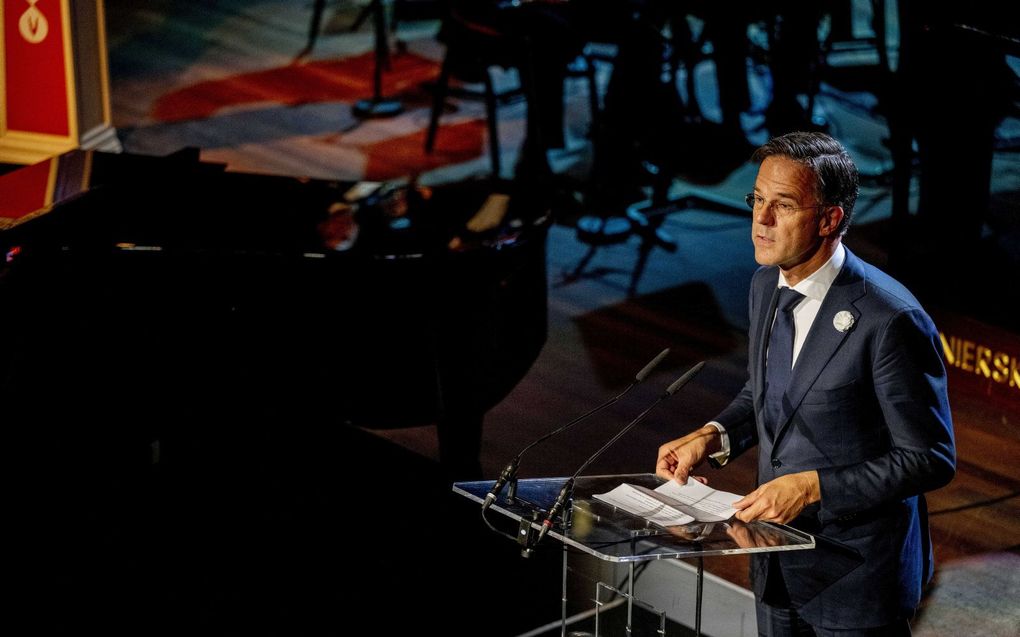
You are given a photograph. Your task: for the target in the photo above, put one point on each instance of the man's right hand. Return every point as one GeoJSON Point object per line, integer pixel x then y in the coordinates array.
{"type": "Point", "coordinates": [677, 458]}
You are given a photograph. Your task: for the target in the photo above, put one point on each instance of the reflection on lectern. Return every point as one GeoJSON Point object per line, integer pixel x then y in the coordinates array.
{"type": "Point", "coordinates": [748, 536]}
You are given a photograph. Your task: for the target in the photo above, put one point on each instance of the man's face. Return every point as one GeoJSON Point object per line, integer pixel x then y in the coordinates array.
{"type": "Point", "coordinates": [788, 222]}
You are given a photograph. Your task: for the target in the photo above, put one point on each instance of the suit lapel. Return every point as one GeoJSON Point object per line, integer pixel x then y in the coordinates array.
{"type": "Point", "coordinates": [823, 339]}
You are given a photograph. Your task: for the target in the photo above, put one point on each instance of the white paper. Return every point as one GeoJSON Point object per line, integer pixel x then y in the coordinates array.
{"type": "Point", "coordinates": [711, 505]}
{"type": "Point", "coordinates": [673, 503]}
{"type": "Point", "coordinates": [644, 503]}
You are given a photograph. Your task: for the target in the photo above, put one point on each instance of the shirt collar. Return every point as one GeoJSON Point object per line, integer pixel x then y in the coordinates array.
{"type": "Point", "coordinates": [818, 283]}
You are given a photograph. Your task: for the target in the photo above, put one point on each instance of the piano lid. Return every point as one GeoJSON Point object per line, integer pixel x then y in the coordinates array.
{"type": "Point", "coordinates": [139, 202]}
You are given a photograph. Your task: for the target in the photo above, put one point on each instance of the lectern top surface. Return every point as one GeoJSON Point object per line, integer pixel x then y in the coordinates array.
{"type": "Point", "coordinates": [615, 535]}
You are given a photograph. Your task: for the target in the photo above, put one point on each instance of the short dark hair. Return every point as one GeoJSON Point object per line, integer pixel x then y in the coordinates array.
{"type": "Point", "coordinates": [835, 172]}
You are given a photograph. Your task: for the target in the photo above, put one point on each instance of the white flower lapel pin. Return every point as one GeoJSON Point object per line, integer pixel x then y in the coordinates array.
{"type": "Point", "coordinates": [843, 321]}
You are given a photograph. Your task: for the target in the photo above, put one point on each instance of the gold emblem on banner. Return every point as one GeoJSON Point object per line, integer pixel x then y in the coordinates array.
{"type": "Point", "coordinates": [33, 24]}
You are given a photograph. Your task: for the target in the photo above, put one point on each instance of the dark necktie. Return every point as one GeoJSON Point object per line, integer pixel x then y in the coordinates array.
{"type": "Point", "coordinates": [780, 357]}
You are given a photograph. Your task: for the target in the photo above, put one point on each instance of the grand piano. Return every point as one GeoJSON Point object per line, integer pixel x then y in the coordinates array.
{"type": "Point", "coordinates": [192, 364]}
{"type": "Point", "coordinates": [164, 306]}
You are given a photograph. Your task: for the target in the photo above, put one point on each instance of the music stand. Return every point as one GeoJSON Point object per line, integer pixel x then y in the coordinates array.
{"type": "Point", "coordinates": [378, 106]}
{"type": "Point", "coordinates": [613, 535]}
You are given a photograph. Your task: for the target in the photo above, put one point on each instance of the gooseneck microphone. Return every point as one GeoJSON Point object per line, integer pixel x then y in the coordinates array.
{"type": "Point", "coordinates": [568, 486]}
{"type": "Point", "coordinates": [510, 471]}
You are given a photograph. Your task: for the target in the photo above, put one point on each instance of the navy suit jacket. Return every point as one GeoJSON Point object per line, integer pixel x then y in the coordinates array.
{"type": "Point", "coordinates": [867, 408]}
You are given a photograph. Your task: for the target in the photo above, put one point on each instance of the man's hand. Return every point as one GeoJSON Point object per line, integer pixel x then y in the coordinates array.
{"type": "Point", "coordinates": [780, 500]}
{"type": "Point", "coordinates": [677, 458]}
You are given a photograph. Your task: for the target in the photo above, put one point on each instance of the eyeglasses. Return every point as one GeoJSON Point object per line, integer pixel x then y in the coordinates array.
{"type": "Point", "coordinates": [757, 202]}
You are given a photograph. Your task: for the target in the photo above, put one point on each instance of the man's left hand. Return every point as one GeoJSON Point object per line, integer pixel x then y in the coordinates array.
{"type": "Point", "coordinates": [780, 500]}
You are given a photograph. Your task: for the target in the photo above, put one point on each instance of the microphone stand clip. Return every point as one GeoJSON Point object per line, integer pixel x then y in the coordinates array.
{"type": "Point", "coordinates": [564, 499]}
{"type": "Point", "coordinates": [511, 490]}
{"type": "Point", "coordinates": [526, 534]}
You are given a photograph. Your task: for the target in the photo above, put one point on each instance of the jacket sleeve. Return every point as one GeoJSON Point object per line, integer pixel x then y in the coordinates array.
{"type": "Point", "coordinates": [738, 421]}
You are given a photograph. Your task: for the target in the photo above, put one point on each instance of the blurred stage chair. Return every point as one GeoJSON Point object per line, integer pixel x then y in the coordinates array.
{"type": "Point", "coordinates": [402, 10]}
{"type": "Point", "coordinates": [472, 49]}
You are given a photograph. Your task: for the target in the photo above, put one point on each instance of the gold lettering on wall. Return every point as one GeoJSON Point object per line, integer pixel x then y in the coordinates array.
{"type": "Point", "coordinates": [983, 356]}
{"type": "Point", "coordinates": [1001, 362]}
{"type": "Point", "coordinates": [967, 363]}
{"type": "Point", "coordinates": [981, 360]}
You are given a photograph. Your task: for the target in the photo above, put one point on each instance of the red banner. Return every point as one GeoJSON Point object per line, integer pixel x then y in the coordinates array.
{"type": "Point", "coordinates": [35, 71]}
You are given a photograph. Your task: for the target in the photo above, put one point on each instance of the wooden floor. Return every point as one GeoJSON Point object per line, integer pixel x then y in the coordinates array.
{"type": "Point", "coordinates": [692, 301]}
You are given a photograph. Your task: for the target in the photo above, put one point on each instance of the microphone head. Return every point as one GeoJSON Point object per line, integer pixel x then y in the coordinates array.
{"type": "Point", "coordinates": [647, 369]}
{"type": "Point", "coordinates": [640, 376]}
{"type": "Point", "coordinates": [683, 380]}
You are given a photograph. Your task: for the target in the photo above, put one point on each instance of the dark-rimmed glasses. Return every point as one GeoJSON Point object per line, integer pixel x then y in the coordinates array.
{"type": "Point", "coordinates": [756, 202]}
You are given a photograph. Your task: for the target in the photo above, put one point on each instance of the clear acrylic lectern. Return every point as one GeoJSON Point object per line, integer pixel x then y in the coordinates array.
{"type": "Point", "coordinates": [614, 535]}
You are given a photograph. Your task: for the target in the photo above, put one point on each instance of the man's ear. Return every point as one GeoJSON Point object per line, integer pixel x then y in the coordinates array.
{"type": "Point", "coordinates": [830, 220]}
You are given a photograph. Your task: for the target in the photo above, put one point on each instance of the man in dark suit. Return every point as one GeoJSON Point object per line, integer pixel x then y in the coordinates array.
{"type": "Point", "coordinates": [852, 436]}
